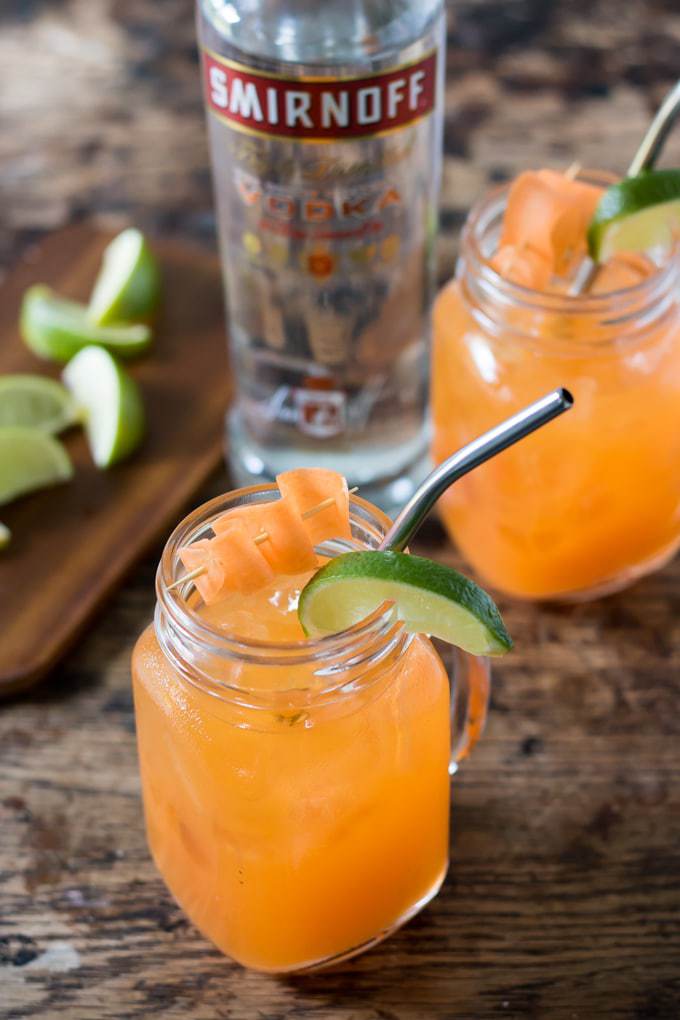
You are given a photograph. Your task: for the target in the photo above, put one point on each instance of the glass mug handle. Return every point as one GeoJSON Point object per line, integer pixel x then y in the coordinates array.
{"type": "Point", "coordinates": [470, 686]}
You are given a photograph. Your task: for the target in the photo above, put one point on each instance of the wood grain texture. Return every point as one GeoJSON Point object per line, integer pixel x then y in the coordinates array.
{"type": "Point", "coordinates": [563, 901]}
{"type": "Point", "coordinates": [73, 543]}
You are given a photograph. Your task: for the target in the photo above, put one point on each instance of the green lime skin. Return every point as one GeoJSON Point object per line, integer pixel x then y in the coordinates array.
{"type": "Point", "coordinates": [429, 596]}
{"type": "Point", "coordinates": [638, 200]}
{"type": "Point", "coordinates": [30, 460]}
{"type": "Point", "coordinates": [128, 286]}
{"type": "Point", "coordinates": [132, 419]}
{"type": "Point", "coordinates": [56, 329]}
{"type": "Point", "coordinates": [110, 403]}
{"type": "Point", "coordinates": [35, 401]}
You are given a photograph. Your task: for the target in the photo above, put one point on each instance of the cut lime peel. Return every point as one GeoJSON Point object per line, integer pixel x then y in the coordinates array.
{"type": "Point", "coordinates": [57, 329]}
{"type": "Point", "coordinates": [636, 214]}
{"type": "Point", "coordinates": [637, 232]}
{"type": "Point", "coordinates": [127, 288]}
{"type": "Point", "coordinates": [428, 597]}
{"type": "Point", "coordinates": [112, 406]}
{"type": "Point", "coordinates": [30, 460]}
{"type": "Point", "coordinates": [36, 401]}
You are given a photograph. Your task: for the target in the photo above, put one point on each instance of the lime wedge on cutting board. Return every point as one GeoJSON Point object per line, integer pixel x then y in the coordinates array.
{"type": "Point", "coordinates": [36, 402]}
{"type": "Point", "coordinates": [57, 329]}
{"type": "Point", "coordinates": [429, 598]}
{"type": "Point", "coordinates": [128, 286]}
{"type": "Point", "coordinates": [29, 460]}
{"type": "Point", "coordinates": [636, 214]}
{"type": "Point", "coordinates": [110, 403]}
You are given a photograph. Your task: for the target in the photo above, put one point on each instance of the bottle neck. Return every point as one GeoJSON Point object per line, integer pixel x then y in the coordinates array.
{"type": "Point", "coordinates": [346, 32]}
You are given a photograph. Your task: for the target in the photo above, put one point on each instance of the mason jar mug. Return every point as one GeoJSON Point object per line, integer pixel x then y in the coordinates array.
{"type": "Point", "coordinates": [297, 794]}
{"type": "Point", "coordinates": [592, 502]}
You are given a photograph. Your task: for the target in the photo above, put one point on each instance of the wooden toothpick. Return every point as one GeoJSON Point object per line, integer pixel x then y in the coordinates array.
{"type": "Point", "coordinates": [187, 577]}
{"type": "Point", "coordinates": [321, 506]}
{"type": "Point", "coordinates": [259, 539]}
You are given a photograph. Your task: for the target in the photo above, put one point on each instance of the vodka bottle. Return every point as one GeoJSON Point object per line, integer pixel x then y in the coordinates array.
{"type": "Point", "coordinates": [324, 119]}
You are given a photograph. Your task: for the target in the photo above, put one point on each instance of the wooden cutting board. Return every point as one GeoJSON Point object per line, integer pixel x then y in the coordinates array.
{"type": "Point", "coordinates": [72, 544]}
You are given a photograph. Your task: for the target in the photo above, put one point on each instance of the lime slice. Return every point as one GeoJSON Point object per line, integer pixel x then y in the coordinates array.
{"type": "Point", "coordinates": [5, 536]}
{"type": "Point", "coordinates": [636, 214]}
{"type": "Point", "coordinates": [429, 598]}
{"type": "Point", "coordinates": [37, 402]}
{"type": "Point", "coordinates": [57, 329]}
{"type": "Point", "coordinates": [128, 286]}
{"type": "Point", "coordinates": [30, 459]}
{"type": "Point", "coordinates": [110, 402]}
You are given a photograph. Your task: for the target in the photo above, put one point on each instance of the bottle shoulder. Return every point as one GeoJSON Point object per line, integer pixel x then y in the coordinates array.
{"type": "Point", "coordinates": [298, 31]}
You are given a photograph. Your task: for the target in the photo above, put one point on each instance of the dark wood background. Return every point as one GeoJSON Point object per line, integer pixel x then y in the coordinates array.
{"type": "Point", "coordinates": [564, 895]}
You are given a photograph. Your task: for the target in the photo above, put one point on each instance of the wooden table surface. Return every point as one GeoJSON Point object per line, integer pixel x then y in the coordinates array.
{"type": "Point", "coordinates": [563, 899]}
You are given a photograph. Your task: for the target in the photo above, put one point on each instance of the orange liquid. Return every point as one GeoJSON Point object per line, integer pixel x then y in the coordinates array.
{"type": "Point", "coordinates": [592, 500]}
{"type": "Point", "coordinates": [289, 840]}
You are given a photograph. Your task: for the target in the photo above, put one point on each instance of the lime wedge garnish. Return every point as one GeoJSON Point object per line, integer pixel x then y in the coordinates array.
{"type": "Point", "coordinates": [30, 459]}
{"type": "Point", "coordinates": [5, 536]}
{"type": "Point", "coordinates": [110, 402]}
{"type": "Point", "coordinates": [128, 286]}
{"type": "Point", "coordinates": [57, 329]}
{"type": "Point", "coordinates": [429, 598]}
{"type": "Point", "coordinates": [636, 214]}
{"type": "Point", "coordinates": [36, 402]}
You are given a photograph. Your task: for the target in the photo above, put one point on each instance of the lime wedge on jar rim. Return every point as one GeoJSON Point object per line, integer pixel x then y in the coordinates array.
{"type": "Point", "coordinates": [128, 286]}
{"type": "Point", "coordinates": [36, 402]}
{"type": "Point", "coordinates": [429, 598]}
{"type": "Point", "coordinates": [30, 460]}
{"type": "Point", "coordinates": [57, 329]}
{"type": "Point", "coordinates": [110, 403]}
{"type": "Point", "coordinates": [636, 214]}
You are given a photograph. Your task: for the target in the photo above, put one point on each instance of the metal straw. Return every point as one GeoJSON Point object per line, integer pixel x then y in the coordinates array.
{"type": "Point", "coordinates": [644, 159]}
{"type": "Point", "coordinates": [471, 456]}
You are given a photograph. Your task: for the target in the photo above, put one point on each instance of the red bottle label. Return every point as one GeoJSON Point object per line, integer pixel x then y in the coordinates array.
{"type": "Point", "coordinates": [319, 109]}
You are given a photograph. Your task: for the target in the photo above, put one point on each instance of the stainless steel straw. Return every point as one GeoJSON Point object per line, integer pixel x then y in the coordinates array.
{"type": "Point", "coordinates": [471, 456]}
{"type": "Point", "coordinates": [644, 159]}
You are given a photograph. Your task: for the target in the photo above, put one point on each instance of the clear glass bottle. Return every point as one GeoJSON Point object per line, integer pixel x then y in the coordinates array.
{"type": "Point", "coordinates": [296, 793]}
{"type": "Point", "coordinates": [589, 504]}
{"type": "Point", "coordinates": [325, 131]}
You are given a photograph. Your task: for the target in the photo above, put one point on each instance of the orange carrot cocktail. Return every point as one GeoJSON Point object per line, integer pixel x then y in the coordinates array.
{"type": "Point", "coordinates": [296, 789]}
{"type": "Point", "coordinates": [593, 501]}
